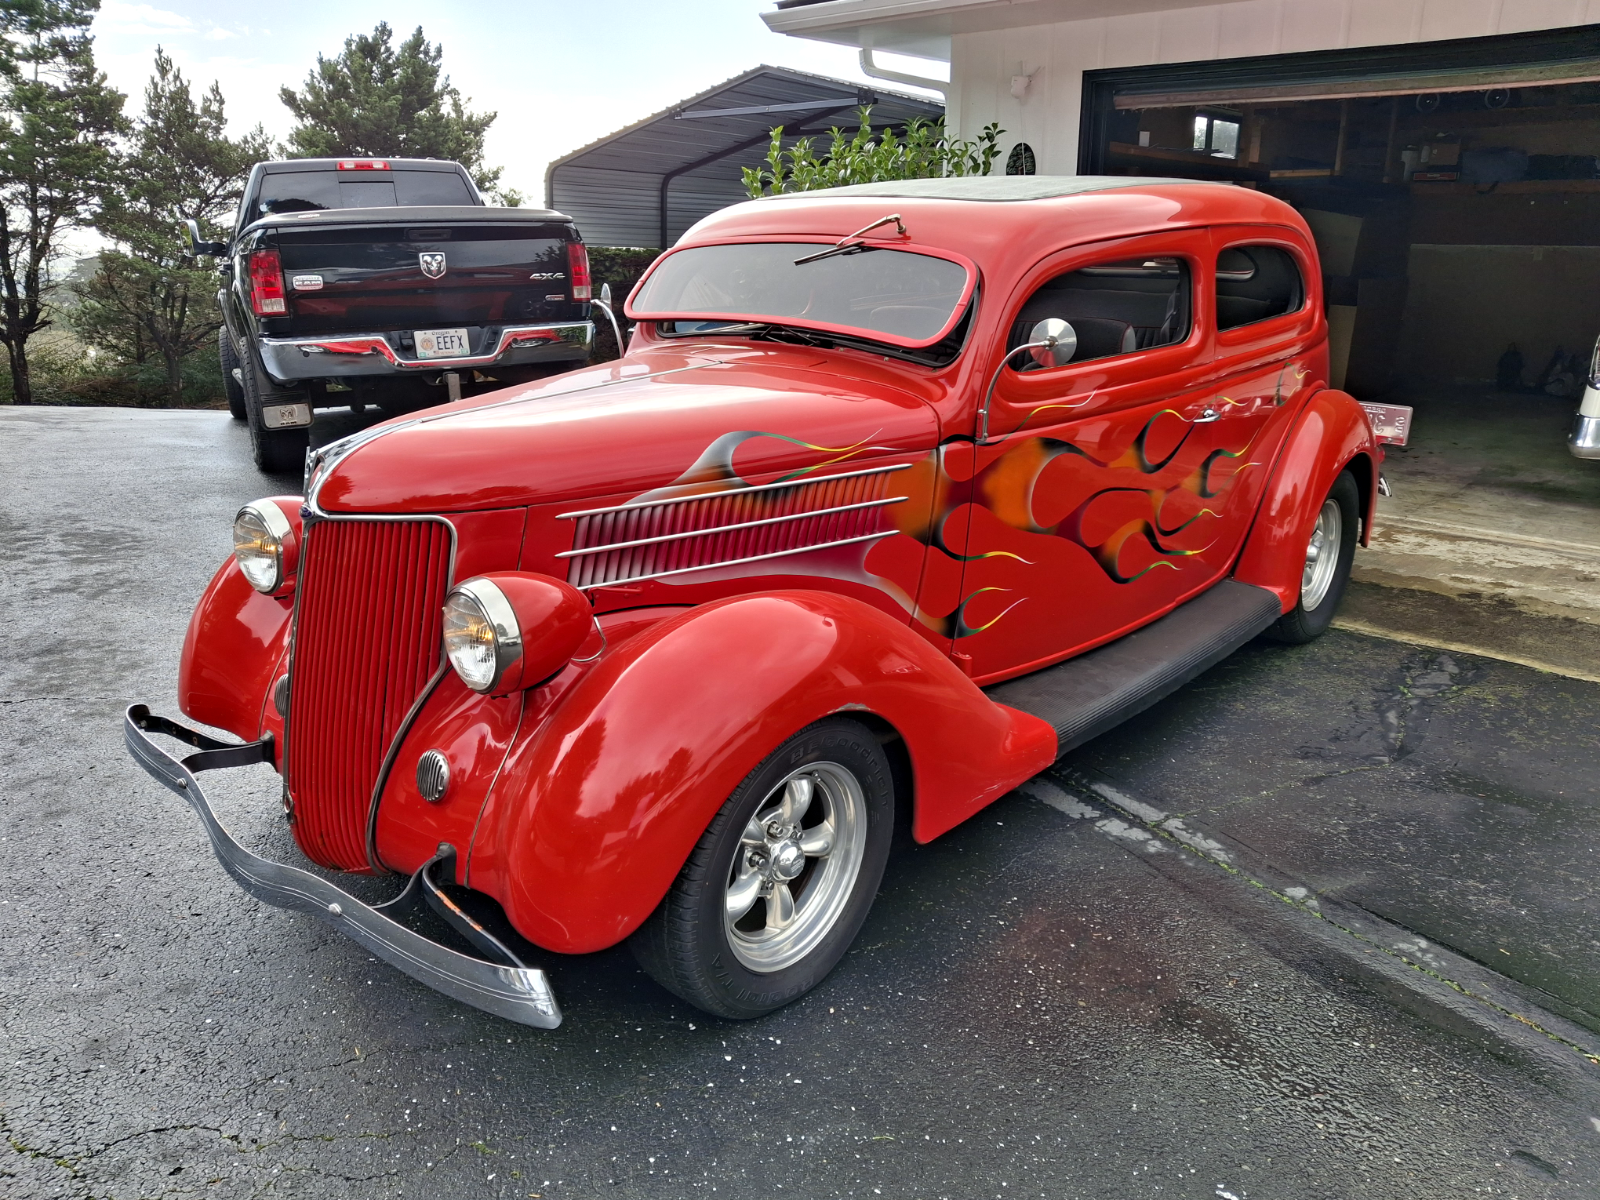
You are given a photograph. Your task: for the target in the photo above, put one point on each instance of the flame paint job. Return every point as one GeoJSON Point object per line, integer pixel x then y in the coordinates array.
{"type": "Point", "coordinates": [1106, 496]}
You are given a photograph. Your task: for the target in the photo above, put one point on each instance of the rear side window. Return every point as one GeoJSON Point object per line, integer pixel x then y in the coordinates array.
{"type": "Point", "coordinates": [309, 191]}
{"type": "Point", "coordinates": [1114, 308]}
{"type": "Point", "coordinates": [1257, 283]}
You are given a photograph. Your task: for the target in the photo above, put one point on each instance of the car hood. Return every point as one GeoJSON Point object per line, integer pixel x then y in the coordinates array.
{"type": "Point", "coordinates": [624, 428]}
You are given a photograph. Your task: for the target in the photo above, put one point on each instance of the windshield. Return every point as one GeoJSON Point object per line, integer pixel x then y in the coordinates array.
{"type": "Point", "coordinates": [904, 298]}
{"type": "Point", "coordinates": [308, 191]}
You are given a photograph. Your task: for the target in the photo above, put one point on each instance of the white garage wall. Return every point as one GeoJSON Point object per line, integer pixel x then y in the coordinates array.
{"type": "Point", "coordinates": [982, 64]}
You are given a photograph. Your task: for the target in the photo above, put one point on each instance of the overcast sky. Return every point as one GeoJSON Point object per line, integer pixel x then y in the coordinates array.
{"type": "Point", "coordinates": [559, 75]}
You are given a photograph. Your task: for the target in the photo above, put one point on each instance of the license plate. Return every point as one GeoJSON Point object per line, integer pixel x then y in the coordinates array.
{"type": "Point", "coordinates": [442, 343]}
{"type": "Point", "coordinates": [1391, 423]}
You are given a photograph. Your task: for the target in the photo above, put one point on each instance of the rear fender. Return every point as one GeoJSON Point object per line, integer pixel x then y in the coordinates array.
{"type": "Point", "coordinates": [1332, 434]}
{"type": "Point", "coordinates": [598, 807]}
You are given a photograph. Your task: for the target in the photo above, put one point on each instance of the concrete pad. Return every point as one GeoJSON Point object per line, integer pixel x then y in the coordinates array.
{"type": "Point", "coordinates": [1487, 502]}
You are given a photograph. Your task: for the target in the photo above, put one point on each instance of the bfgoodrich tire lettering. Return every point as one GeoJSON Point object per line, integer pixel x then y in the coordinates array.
{"type": "Point", "coordinates": [1333, 537]}
{"type": "Point", "coordinates": [777, 887]}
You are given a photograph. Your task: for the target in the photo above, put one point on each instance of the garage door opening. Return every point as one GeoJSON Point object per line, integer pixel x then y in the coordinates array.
{"type": "Point", "coordinates": [1454, 193]}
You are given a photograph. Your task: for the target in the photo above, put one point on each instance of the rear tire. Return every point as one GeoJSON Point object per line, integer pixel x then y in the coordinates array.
{"type": "Point", "coordinates": [275, 451]}
{"type": "Point", "coordinates": [232, 386]}
{"type": "Point", "coordinates": [813, 822]}
{"type": "Point", "coordinates": [1330, 553]}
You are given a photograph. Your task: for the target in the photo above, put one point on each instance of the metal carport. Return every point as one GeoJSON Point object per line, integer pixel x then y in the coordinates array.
{"type": "Point", "coordinates": [646, 184]}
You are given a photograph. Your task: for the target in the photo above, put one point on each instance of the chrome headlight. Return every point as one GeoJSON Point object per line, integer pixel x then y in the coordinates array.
{"type": "Point", "coordinates": [482, 638]}
{"type": "Point", "coordinates": [263, 545]}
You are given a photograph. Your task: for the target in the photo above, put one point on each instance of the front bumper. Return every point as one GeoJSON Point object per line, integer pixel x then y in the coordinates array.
{"type": "Point", "coordinates": [520, 994]}
{"type": "Point", "coordinates": [1584, 440]}
{"type": "Point", "coordinates": [355, 354]}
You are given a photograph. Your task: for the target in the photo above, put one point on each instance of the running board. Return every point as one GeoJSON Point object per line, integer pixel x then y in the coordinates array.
{"type": "Point", "coordinates": [1088, 695]}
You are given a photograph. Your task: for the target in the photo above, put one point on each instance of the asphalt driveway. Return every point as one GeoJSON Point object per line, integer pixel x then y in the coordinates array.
{"type": "Point", "coordinates": [1321, 925]}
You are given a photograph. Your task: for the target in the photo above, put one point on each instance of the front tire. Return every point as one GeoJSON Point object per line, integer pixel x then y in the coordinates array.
{"type": "Point", "coordinates": [1330, 552]}
{"type": "Point", "coordinates": [779, 884]}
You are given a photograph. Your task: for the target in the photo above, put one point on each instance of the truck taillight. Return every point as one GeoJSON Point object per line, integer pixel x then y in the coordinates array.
{"type": "Point", "coordinates": [578, 264]}
{"type": "Point", "coordinates": [266, 284]}
{"type": "Point", "coordinates": [363, 164]}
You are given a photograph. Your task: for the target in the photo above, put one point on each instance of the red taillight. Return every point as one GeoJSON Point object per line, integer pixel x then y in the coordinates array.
{"type": "Point", "coordinates": [363, 164]}
{"type": "Point", "coordinates": [266, 284]}
{"type": "Point", "coordinates": [578, 262]}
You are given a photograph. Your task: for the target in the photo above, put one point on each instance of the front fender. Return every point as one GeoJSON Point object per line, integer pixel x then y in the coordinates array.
{"type": "Point", "coordinates": [599, 806]}
{"type": "Point", "coordinates": [1333, 433]}
{"type": "Point", "coordinates": [236, 640]}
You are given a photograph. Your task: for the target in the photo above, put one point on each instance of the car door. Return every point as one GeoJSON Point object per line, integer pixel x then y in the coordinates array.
{"type": "Point", "coordinates": [1120, 483]}
{"type": "Point", "coordinates": [1063, 543]}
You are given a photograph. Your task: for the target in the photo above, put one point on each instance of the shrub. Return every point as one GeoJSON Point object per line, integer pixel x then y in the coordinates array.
{"type": "Point", "coordinates": [926, 151]}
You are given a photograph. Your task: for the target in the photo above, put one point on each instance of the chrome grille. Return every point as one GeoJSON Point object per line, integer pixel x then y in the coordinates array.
{"type": "Point", "coordinates": [650, 539]}
{"type": "Point", "coordinates": [367, 639]}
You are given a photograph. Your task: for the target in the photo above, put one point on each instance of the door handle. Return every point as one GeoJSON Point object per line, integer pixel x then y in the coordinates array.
{"type": "Point", "coordinates": [1207, 415]}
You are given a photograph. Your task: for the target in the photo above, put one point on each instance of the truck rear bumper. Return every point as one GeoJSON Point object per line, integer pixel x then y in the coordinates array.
{"type": "Point", "coordinates": [520, 994]}
{"type": "Point", "coordinates": [341, 355]}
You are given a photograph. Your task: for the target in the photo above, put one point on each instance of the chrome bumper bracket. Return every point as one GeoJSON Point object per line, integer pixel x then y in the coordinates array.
{"type": "Point", "coordinates": [520, 994]}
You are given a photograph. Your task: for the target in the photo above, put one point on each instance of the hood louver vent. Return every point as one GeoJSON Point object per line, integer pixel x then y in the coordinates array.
{"type": "Point", "coordinates": [650, 539]}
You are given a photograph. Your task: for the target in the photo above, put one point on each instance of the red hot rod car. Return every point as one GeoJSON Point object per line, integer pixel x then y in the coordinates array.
{"type": "Point", "coordinates": [901, 492]}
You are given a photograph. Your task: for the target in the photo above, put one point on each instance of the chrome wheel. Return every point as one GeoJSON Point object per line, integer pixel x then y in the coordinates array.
{"type": "Point", "coordinates": [795, 866]}
{"type": "Point", "coordinates": [1322, 555]}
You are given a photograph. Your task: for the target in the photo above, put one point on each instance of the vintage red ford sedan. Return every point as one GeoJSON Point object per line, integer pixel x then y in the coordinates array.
{"type": "Point", "coordinates": [901, 492]}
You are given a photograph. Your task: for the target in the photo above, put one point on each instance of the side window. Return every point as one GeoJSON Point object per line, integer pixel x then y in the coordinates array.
{"type": "Point", "coordinates": [1113, 308]}
{"type": "Point", "coordinates": [1256, 283]}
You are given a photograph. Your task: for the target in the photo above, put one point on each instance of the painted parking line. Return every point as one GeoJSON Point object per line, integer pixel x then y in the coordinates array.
{"type": "Point", "coordinates": [1135, 824]}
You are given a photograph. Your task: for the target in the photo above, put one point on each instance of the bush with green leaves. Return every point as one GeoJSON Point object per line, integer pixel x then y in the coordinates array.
{"type": "Point", "coordinates": [924, 151]}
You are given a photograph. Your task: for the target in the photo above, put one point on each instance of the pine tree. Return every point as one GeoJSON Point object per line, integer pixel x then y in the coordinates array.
{"type": "Point", "coordinates": [58, 121]}
{"type": "Point", "coordinates": [150, 296]}
{"type": "Point", "coordinates": [375, 100]}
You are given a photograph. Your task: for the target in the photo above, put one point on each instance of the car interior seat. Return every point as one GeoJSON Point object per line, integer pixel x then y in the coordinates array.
{"type": "Point", "coordinates": [1114, 309]}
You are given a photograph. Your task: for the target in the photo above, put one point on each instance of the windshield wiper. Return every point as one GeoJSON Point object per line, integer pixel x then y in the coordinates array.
{"type": "Point", "coordinates": [849, 243]}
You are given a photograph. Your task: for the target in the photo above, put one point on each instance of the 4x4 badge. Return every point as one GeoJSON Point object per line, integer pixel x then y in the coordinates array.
{"type": "Point", "coordinates": [432, 264]}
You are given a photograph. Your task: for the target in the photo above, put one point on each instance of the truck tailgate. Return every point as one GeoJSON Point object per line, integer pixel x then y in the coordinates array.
{"type": "Point", "coordinates": [370, 278]}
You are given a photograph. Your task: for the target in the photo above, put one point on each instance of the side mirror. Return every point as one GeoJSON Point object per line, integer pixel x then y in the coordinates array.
{"type": "Point", "coordinates": [1054, 342]}
{"type": "Point", "coordinates": [605, 294]}
{"type": "Point", "coordinates": [201, 249]}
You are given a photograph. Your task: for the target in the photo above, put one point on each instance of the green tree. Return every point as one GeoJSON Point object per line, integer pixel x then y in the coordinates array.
{"type": "Point", "coordinates": [374, 99]}
{"type": "Point", "coordinates": [58, 122]}
{"type": "Point", "coordinates": [924, 151]}
{"type": "Point", "coordinates": [150, 297]}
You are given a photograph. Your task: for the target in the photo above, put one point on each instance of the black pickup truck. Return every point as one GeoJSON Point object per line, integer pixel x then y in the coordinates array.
{"type": "Point", "coordinates": [350, 282]}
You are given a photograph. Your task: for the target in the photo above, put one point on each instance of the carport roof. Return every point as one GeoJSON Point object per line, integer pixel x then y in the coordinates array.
{"type": "Point", "coordinates": [620, 189]}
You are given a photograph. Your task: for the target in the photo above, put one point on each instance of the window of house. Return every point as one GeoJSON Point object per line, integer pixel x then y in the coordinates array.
{"type": "Point", "coordinates": [1217, 135]}
{"type": "Point", "coordinates": [1257, 283]}
{"type": "Point", "coordinates": [1114, 308]}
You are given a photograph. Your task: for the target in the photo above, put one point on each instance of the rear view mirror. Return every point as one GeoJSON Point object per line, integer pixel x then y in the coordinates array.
{"type": "Point", "coordinates": [605, 294]}
{"type": "Point", "coordinates": [1053, 342]}
{"type": "Point", "coordinates": [201, 249]}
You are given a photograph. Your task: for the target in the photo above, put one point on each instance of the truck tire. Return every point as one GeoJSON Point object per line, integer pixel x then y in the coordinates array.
{"type": "Point", "coordinates": [780, 882]}
{"type": "Point", "coordinates": [275, 451]}
{"type": "Point", "coordinates": [232, 385]}
{"type": "Point", "coordinates": [1329, 555]}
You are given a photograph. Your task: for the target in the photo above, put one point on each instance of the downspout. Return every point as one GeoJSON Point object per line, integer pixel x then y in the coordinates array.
{"type": "Point", "coordinates": [869, 69]}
